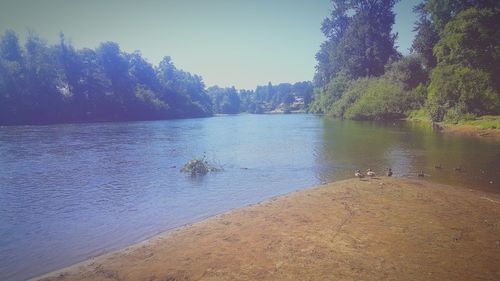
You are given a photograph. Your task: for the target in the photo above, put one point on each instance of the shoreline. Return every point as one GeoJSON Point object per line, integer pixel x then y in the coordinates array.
{"type": "Point", "coordinates": [470, 130]}
{"type": "Point", "coordinates": [381, 228]}
{"type": "Point", "coordinates": [460, 129]}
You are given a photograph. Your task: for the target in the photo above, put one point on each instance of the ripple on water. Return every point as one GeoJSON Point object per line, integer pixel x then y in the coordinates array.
{"type": "Point", "coordinates": [68, 192]}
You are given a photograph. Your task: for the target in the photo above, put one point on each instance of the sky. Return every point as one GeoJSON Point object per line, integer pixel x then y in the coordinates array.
{"type": "Point", "coordinates": [241, 43]}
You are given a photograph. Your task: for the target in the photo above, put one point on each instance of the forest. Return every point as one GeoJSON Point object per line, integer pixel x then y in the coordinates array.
{"type": "Point", "coordinates": [44, 84]}
{"type": "Point", "coordinates": [451, 73]}
{"type": "Point", "coordinates": [41, 84]}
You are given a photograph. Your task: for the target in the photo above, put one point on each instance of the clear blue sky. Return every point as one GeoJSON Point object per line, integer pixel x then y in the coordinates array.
{"type": "Point", "coordinates": [228, 42]}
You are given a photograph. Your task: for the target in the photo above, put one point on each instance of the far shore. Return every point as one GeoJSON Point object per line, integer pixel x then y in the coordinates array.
{"type": "Point", "coordinates": [371, 229]}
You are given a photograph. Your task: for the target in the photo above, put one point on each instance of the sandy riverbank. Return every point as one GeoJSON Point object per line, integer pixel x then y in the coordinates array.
{"type": "Point", "coordinates": [378, 229]}
{"type": "Point", "coordinates": [469, 130]}
{"type": "Point", "coordinates": [465, 129]}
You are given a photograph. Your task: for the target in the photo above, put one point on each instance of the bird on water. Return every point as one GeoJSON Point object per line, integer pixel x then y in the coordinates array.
{"type": "Point", "coordinates": [370, 173]}
{"type": "Point", "coordinates": [389, 172]}
{"type": "Point", "coordinates": [358, 174]}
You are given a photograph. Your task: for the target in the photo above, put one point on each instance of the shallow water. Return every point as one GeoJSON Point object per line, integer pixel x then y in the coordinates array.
{"type": "Point", "coordinates": [71, 191]}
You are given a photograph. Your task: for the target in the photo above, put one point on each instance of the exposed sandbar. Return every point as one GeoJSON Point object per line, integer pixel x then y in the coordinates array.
{"type": "Point", "coordinates": [378, 229]}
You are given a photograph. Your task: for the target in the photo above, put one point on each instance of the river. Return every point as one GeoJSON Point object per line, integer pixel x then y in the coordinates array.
{"type": "Point", "coordinates": [72, 191]}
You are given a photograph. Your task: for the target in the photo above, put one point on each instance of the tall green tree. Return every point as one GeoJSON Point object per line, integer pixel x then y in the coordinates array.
{"type": "Point", "coordinates": [468, 55]}
{"type": "Point", "coordinates": [359, 39]}
{"type": "Point", "coordinates": [433, 17]}
{"type": "Point", "coordinates": [472, 39]}
{"type": "Point", "coordinates": [426, 38]}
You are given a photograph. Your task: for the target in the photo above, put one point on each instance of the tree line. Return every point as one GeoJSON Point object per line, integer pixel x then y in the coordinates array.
{"type": "Point", "coordinates": [41, 83]}
{"type": "Point", "coordinates": [44, 84]}
{"type": "Point", "coordinates": [451, 73]}
{"type": "Point", "coordinates": [284, 97]}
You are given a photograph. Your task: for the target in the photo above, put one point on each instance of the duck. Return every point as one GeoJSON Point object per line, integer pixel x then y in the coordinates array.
{"type": "Point", "coordinates": [370, 173]}
{"type": "Point", "coordinates": [358, 174]}
{"type": "Point", "coordinates": [458, 169]}
{"type": "Point", "coordinates": [389, 172]}
{"type": "Point", "coordinates": [421, 174]}
{"type": "Point", "coordinates": [438, 166]}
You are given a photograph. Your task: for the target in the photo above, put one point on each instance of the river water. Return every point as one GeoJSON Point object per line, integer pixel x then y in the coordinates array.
{"type": "Point", "coordinates": [72, 191]}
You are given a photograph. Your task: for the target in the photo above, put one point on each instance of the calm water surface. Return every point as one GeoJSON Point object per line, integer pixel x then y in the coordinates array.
{"type": "Point", "coordinates": [68, 192]}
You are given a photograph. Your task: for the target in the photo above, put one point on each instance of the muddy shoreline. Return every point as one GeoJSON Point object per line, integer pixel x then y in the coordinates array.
{"type": "Point", "coordinates": [376, 229]}
{"type": "Point", "coordinates": [469, 130]}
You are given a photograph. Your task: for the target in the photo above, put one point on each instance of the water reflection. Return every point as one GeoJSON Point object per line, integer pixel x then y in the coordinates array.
{"type": "Point", "coordinates": [408, 148]}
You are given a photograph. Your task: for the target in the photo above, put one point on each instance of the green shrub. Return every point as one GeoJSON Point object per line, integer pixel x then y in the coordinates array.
{"type": "Point", "coordinates": [462, 89]}
{"type": "Point", "coordinates": [355, 90]}
{"type": "Point", "coordinates": [325, 97]}
{"type": "Point", "coordinates": [408, 70]}
{"type": "Point", "coordinates": [419, 115]}
{"type": "Point", "coordinates": [382, 99]}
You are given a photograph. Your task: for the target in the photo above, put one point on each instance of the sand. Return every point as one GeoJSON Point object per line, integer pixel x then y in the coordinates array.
{"type": "Point", "coordinates": [469, 130]}
{"type": "Point", "coordinates": [376, 229]}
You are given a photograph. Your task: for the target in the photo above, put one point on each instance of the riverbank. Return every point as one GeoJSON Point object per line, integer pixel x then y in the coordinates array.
{"type": "Point", "coordinates": [484, 126]}
{"type": "Point", "coordinates": [470, 130]}
{"type": "Point", "coordinates": [377, 229]}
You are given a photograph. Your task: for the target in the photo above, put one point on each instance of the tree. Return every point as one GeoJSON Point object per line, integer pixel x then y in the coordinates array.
{"type": "Point", "coordinates": [328, 95]}
{"type": "Point", "coordinates": [45, 94]}
{"type": "Point", "coordinates": [43, 83]}
{"type": "Point", "coordinates": [9, 47]}
{"type": "Point", "coordinates": [380, 99]}
{"type": "Point", "coordinates": [456, 90]}
{"type": "Point", "coordinates": [303, 90]}
{"type": "Point", "coordinates": [442, 11]}
{"type": "Point", "coordinates": [409, 71]}
{"type": "Point", "coordinates": [115, 66]}
{"type": "Point", "coordinates": [472, 39]}
{"type": "Point", "coordinates": [184, 92]}
{"type": "Point", "coordinates": [424, 42]}
{"type": "Point", "coordinates": [12, 81]}
{"type": "Point", "coordinates": [225, 100]}
{"type": "Point", "coordinates": [433, 17]}
{"type": "Point", "coordinates": [94, 88]}
{"type": "Point", "coordinates": [359, 45]}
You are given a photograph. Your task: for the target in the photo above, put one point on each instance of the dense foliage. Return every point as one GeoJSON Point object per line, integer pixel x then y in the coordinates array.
{"type": "Point", "coordinates": [450, 75]}
{"type": "Point", "coordinates": [284, 97]}
{"type": "Point", "coordinates": [467, 57]}
{"type": "Point", "coordinates": [359, 40]}
{"type": "Point", "coordinates": [49, 84]}
{"type": "Point", "coordinates": [456, 91]}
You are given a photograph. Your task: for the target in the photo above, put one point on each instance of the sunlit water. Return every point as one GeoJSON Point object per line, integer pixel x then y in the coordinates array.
{"type": "Point", "coordinates": [68, 192]}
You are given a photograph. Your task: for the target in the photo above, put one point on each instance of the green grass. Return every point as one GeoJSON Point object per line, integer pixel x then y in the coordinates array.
{"type": "Point", "coordinates": [419, 115]}
{"type": "Point", "coordinates": [483, 122]}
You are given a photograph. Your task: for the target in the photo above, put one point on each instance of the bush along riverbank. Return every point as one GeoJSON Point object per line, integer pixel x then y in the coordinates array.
{"type": "Point", "coordinates": [447, 78]}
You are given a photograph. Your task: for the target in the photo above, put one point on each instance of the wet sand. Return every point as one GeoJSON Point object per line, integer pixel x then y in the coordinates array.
{"type": "Point", "coordinates": [376, 229]}
{"type": "Point", "coordinates": [469, 130]}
